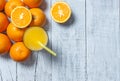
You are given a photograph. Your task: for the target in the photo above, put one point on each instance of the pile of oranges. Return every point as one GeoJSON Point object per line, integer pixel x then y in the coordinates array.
{"type": "Point", "coordinates": [15, 17]}
{"type": "Point", "coordinates": [18, 15]}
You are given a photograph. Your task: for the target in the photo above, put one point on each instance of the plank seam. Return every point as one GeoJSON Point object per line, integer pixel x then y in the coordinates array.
{"type": "Point", "coordinates": [36, 68]}
{"type": "Point", "coordinates": [86, 64]}
{"type": "Point", "coordinates": [119, 13]}
{"type": "Point", "coordinates": [1, 75]}
{"type": "Point", "coordinates": [10, 73]}
{"type": "Point", "coordinates": [16, 73]}
{"type": "Point", "coordinates": [51, 45]}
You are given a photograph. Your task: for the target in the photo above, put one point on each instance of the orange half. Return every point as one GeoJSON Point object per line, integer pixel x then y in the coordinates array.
{"type": "Point", "coordinates": [60, 12]}
{"type": "Point", "coordinates": [21, 17]}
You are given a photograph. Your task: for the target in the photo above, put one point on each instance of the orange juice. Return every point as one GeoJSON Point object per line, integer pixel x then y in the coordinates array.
{"type": "Point", "coordinates": [33, 36]}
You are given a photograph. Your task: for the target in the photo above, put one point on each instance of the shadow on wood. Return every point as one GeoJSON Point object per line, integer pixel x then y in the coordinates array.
{"type": "Point", "coordinates": [49, 45]}
{"type": "Point", "coordinates": [58, 50]}
{"type": "Point", "coordinates": [44, 5]}
{"type": "Point", "coordinates": [5, 56]}
{"type": "Point", "coordinates": [46, 26]}
{"type": "Point", "coordinates": [30, 61]}
{"type": "Point", "coordinates": [69, 22]}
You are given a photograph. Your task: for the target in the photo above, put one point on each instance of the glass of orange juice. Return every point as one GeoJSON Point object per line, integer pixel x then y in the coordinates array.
{"type": "Point", "coordinates": [35, 38]}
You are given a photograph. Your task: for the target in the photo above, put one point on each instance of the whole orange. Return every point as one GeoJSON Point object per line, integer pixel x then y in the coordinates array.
{"type": "Point", "coordinates": [10, 5]}
{"type": "Point", "coordinates": [2, 4]}
{"type": "Point", "coordinates": [15, 33]}
{"type": "Point", "coordinates": [33, 3]}
{"type": "Point", "coordinates": [39, 17]}
{"type": "Point", "coordinates": [19, 52]}
{"type": "Point", "coordinates": [14, 0]}
{"type": "Point", "coordinates": [5, 43]}
{"type": "Point", "coordinates": [3, 22]}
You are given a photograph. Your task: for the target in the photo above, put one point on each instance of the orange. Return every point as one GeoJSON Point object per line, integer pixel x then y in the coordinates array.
{"type": "Point", "coordinates": [21, 17]}
{"type": "Point", "coordinates": [39, 17]}
{"type": "Point", "coordinates": [15, 33]}
{"type": "Point", "coordinates": [3, 22]}
{"type": "Point", "coordinates": [33, 3]}
{"type": "Point", "coordinates": [10, 5]}
{"type": "Point", "coordinates": [5, 43]}
{"type": "Point", "coordinates": [19, 52]}
{"type": "Point", "coordinates": [14, 0]}
{"type": "Point", "coordinates": [2, 4]}
{"type": "Point", "coordinates": [60, 12]}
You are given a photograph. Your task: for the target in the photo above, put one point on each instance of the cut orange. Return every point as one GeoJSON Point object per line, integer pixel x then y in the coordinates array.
{"type": "Point", "coordinates": [10, 5]}
{"type": "Point", "coordinates": [21, 17]}
{"type": "Point", "coordinates": [60, 12]}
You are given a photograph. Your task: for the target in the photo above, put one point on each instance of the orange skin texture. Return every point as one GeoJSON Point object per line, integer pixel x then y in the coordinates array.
{"type": "Point", "coordinates": [5, 43]}
{"type": "Point", "coordinates": [10, 5]}
{"type": "Point", "coordinates": [14, 33]}
{"type": "Point", "coordinates": [33, 3]}
{"type": "Point", "coordinates": [39, 17]}
{"type": "Point", "coordinates": [19, 52]}
{"type": "Point", "coordinates": [3, 22]}
{"type": "Point", "coordinates": [2, 4]}
{"type": "Point", "coordinates": [14, 0]}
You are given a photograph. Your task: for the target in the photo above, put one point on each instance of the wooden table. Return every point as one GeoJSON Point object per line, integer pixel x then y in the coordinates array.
{"type": "Point", "coordinates": [87, 46]}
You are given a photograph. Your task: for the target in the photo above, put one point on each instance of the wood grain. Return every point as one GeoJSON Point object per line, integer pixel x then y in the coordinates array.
{"type": "Point", "coordinates": [103, 40]}
{"type": "Point", "coordinates": [7, 69]}
{"type": "Point", "coordinates": [68, 41]}
{"type": "Point", "coordinates": [44, 63]}
{"type": "Point", "coordinates": [87, 46]}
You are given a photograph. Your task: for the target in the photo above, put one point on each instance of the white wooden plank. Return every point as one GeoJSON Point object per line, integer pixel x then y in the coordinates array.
{"type": "Point", "coordinates": [7, 69]}
{"type": "Point", "coordinates": [103, 40]}
{"type": "Point", "coordinates": [38, 68]}
{"type": "Point", "coordinates": [68, 41]}
{"type": "Point", "coordinates": [26, 70]}
{"type": "Point", "coordinates": [44, 63]}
